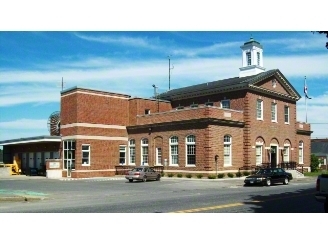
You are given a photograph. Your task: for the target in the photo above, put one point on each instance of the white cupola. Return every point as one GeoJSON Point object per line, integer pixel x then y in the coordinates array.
{"type": "Point", "coordinates": [252, 58]}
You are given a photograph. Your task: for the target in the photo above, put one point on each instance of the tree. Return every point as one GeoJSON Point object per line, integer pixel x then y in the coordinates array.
{"type": "Point", "coordinates": [324, 32]}
{"type": "Point", "coordinates": [314, 163]}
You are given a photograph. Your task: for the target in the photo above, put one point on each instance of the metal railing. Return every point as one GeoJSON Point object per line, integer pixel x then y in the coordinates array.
{"type": "Point", "coordinates": [122, 169]}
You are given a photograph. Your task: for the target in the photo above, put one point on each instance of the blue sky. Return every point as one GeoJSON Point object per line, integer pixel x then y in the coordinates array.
{"type": "Point", "coordinates": [129, 57]}
{"type": "Point", "coordinates": [32, 65]}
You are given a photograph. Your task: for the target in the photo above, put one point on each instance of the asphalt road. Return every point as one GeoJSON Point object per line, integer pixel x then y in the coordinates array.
{"type": "Point", "coordinates": [167, 196]}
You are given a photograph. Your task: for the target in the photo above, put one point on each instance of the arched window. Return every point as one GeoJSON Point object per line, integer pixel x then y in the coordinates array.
{"type": "Point", "coordinates": [174, 151]}
{"type": "Point", "coordinates": [227, 150]}
{"type": "Point", "coordinates": [132, 152]}
{"type": "Point", "coordinates": [300, 152]}
{"type": "Point", "coordinates": [191, 150]}
{"type": "Point", "coordinates": [144, 151]}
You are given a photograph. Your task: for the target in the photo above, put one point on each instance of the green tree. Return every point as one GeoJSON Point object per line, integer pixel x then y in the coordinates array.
{"type": "Point", "coordinates": [314, 163]}
{"type": "Point", "coordinates": [323, 32]}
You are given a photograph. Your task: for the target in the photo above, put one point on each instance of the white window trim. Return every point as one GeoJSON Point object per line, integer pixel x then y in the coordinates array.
{"type": "Point", "coordinates": [258, 145]}
{"type": "Point", "coordinates": [274, 111]}
{"type": "Point", "coordinates": [156, 161]}
{"type": "Point", "coordinates": [132, 146]}
{"type": "Point", "coordinates": [301, 148]}
{"type": "Point", "coordinates": [288, 122]}
{"type": "Point", "coordinates": [174, 144]}
{"type": "Point", "coordinates": [125, 151]}
{"type": "Point", "coordinates": [225, 100]}
{"type": "Point", "coordinates": [190, 143]}
{"type": "Point", "coordinates": [261, 103]}
{"type": "Point", "coordinates": [89, 151]}
{"type": "Point", "coordinates": [286, 146]}
{"type": "Point", "coordinates": [142, 155]}
{"type": "Point", "coordinates": [230, 152]}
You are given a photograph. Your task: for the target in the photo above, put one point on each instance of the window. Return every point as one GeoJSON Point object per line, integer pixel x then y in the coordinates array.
{"type": "Point", "coordinates": [259, 109]}
{"type": "Point", "coordinates": [258, 154]}
{"type": "Point", "coordinates": [248, 58]}
{"type": "Point", "coordinates": [286, 114]}
{"type": "Point", "coordinates": [122, 159]}
{"type": "Point", "coordinates": [286, 153]}
{"type": "Point", "coordinates": [209, 104]}
{"type": "Point", "coordinates": [85, 154]}
{"type": "Point", "coordinates": [300, 152]}
{"type": "Point", "coordinates": [225, 104]}
{"type": "Point", "coordinates": [147, 111]}
{"type": "Point", "coordinates": [132, 152]}
{"type": "Point", "coordinates": [258, 58]}
{"type": "Point", "coordinates": [158, 156]}
{"type": "Point", "coordinates": [191, 150]}
{"type": "Point", "coordinates": [273, 112]}
{"type": "Point", "coordinates": [174, 151]}
{"type": "Point", "coordinates": [144, 151]}
{"type": "Point", "coordinates": [227, 150]}
{"type": "Point", "coordinates": [69, 153]}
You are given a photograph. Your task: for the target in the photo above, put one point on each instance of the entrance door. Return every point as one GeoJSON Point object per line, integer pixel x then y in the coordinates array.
{"type": "Point", "coordinates": [69, 168]}
{"type": "Point", "coordinates": [273, 156]}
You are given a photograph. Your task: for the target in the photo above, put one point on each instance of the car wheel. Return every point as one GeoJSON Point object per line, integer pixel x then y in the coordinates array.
{"type": "Point", "coordinates": [268, 182]}
{"type": "Point", "coordinates": [286, 181]}
{"type": "Point", "coordinates": [144, 179]}
{"type": "Point", "coordinates": [130, 180]}
{"type": "Point", "coordinates": [158, 177]}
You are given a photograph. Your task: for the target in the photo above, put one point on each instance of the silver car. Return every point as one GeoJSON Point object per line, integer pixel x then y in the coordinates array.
{"type": "Point", "coordinates": [142, 173]}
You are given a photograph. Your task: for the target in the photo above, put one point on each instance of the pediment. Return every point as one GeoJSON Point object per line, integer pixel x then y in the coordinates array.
{"type": "Point", "coordinates": [277, 84]}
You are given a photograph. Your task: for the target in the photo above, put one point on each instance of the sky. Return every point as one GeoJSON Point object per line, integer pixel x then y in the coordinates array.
{"type": "Point", "coordinates": [34, 63]}
{"type": "Point", "coordinates": [123, 46]}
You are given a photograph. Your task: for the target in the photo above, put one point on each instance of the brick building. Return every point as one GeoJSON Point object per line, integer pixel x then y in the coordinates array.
{"type": "Point", "coordinates": [207, 128]}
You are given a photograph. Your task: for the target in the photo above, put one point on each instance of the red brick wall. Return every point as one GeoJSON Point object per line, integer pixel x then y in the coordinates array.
{"type": "Point", "coordinates": [209, 142]}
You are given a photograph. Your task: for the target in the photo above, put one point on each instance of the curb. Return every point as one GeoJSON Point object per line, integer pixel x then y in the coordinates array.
{"type": "Point", "coordinates": [21, 198]}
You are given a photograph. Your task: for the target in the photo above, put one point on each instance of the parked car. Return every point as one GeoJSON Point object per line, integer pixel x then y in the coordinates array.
{"type": "Point", "coordinates": [142, 173]}
{"type": "Point", "coordinates": [268, 176]}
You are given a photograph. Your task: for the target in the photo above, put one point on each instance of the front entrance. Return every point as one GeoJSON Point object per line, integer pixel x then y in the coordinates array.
{"type": "Point", "coordinates": [273, 156]}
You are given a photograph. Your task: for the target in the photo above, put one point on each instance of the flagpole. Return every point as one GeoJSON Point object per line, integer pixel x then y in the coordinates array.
{"type": "Point", "coordinates": [305, 100]}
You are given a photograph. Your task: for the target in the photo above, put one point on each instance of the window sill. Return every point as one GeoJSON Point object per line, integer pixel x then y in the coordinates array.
{"type": "Point", "coordinates": [173, 165]}
{"type": "Point", "coordinates": [259, 119]}
{"type": "Point", "coordinates": [86, 165]}
{"type": "Point", "coordinates": [287, 123]}
{"type": "Point", "coordinates": [190, 165]}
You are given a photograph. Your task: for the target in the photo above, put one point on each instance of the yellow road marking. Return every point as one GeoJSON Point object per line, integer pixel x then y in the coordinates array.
{"type": "Point", "coordinates": [235, 204]}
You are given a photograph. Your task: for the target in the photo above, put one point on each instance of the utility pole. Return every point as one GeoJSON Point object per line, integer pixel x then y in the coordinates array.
{"type": "Point", "coordinates": [170, 68]}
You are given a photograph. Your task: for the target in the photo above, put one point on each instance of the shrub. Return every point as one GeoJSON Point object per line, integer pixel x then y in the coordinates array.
{"type": "Point", "coordinates": [314, 163]}
{"type": "Point", "coordinates": [199, 175]}
{"type": "Point", "coordinates": [179, 175]}
{"type": "Point", "coordinates": [170, 175]}
{"type": "Point", "coordinates": [163, 174]}
{"type": "Point", "coordinates": [211, 176]}
{"type": "Point", "coordinates": [230, 175]}
{"type": "Point", "coordinates": [246, 173]}
{"type": "Point", "coordinates": [221, 175]}
{"type": "Point", "coordinates": [239, 174]}
{"type": "Point", "coordinates": [188, 175]}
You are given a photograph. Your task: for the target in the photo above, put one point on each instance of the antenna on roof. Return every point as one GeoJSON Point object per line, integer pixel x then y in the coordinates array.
{"type": "Point", "coordinates": [170, 68]}
{"type": "Point", "coordinates": [62, 84]}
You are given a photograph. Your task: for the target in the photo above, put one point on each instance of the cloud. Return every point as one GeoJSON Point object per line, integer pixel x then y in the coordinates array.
{"type": "Point", "coordinates": [122, 40]}
{"type": "Point", "coordinates": [24, 124]}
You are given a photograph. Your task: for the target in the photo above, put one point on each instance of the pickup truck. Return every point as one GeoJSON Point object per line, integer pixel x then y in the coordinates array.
{"type": "Point", "coordinates": [321, 194]}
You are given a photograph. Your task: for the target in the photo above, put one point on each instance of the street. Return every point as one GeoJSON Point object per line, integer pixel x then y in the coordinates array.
{"type": "Point", "coordinates": [166, 196]}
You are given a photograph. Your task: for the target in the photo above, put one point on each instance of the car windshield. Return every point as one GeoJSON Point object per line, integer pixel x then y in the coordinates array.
{"type": "Point", "coordinates": [264, 171]}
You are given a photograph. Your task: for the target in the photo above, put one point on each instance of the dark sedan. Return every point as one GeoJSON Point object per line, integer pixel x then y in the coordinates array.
{"type": "Point", "coordinates": [268, 176]}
